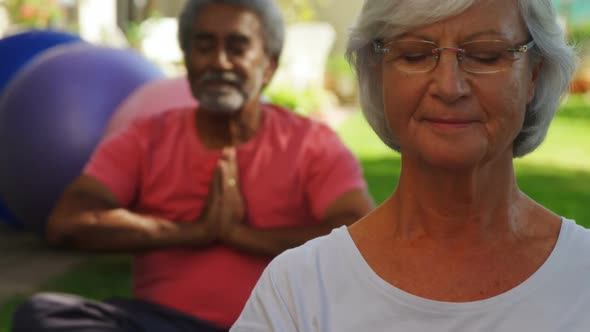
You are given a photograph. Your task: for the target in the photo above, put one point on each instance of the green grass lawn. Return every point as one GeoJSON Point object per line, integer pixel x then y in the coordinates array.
{"type": "Point", "coordinates": [557, 175]}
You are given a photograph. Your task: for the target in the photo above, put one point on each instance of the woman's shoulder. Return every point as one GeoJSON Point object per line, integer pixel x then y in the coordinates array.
{"type": "Point", "coordinates": [293, 291]}
{"type": "Point", "coordinates": [573, 240]}
{"type": "Point", "coordinates": [313, 261]}
{"type": "Point", "coordinates": [575, 235]}
{"type": "Point", "coordinates": [317, 248]}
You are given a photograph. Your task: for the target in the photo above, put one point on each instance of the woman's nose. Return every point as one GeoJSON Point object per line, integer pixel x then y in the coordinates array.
{"type": "Point", "coordinates": [449, 80]}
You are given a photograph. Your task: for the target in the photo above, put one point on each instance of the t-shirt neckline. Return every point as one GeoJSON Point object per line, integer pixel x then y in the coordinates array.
{"type": "Point", "coordinates": [368, 276]}
{"type": "Point", "coordinates": [196, 141]}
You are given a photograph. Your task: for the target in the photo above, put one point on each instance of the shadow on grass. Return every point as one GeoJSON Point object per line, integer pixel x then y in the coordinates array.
{"type": "Point", "coordinates": [6, 311]}
{"type": "Point", "coordinates": [98, 278]}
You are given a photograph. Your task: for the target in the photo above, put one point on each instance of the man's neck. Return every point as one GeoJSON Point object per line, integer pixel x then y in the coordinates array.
{"type": "Point", "coordinates": [221, 130]}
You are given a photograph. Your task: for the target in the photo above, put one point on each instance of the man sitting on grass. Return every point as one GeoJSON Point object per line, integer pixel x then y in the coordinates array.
{"type": "Point", "coordinates": [204, 197]}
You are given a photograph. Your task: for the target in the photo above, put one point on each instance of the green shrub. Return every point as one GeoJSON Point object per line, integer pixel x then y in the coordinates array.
{"type": "Point", "coordinates": [580, 35]}
{"type": "Point", "coordinates": [341, 80]}
{"type": "Point", "coordinates": [34, 13]}
{"type": "Point", "coordinates": [307, 101]}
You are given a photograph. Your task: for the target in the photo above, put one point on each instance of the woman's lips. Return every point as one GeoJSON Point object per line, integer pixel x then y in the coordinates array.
{"type": "Point", "coordinates": [451, 123]}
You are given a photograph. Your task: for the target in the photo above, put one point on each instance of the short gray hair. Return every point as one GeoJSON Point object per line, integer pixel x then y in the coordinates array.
{"type": "Point", "coordinates": [268, 12]}
{"type": "Point", "coordinates": [390, 18]}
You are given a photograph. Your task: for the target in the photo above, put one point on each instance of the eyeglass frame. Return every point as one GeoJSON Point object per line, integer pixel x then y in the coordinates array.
{"type": "Point", "coordinates": [379, 48]}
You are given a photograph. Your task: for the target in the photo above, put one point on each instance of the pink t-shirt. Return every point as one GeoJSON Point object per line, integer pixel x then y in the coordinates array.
{"type": "Point", "coordinates": [289, 172]}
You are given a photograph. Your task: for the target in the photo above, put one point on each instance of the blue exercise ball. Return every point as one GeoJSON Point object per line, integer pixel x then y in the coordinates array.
{"type": "Point", "coordinates": [53, 114]}
{"type": "Point", "coordinates": [17, 50]}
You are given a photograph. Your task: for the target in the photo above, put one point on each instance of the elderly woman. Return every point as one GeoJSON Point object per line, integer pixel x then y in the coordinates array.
{"type": "Point", "coordinates": [460, 88]}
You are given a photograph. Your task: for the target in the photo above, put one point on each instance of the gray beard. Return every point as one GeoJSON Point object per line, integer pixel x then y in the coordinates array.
{"type": "Point", "coordinates": [222, 101]}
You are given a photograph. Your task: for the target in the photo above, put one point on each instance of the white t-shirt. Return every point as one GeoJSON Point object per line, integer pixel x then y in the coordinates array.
{"type": "Point", "coordinates": [326, 285]}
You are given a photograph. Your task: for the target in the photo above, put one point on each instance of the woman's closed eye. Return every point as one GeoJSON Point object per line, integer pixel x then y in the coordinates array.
{"type": "Point", "coordinates": [416, 57]}
{"type": "Point", "coordinates": [485, 57]}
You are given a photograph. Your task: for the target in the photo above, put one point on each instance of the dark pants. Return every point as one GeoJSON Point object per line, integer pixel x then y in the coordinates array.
{"type": "Point", "coordinates": [54, 312]}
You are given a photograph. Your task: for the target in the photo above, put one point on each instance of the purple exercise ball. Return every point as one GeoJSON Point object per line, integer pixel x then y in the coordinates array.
{"type": "Point", "coordinates": [53, 114]}
{"type": "Point", "coordinates": [19, 49]}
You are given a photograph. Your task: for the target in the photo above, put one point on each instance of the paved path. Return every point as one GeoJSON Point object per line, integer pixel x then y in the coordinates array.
{"type": "Point", "coordinates": [26, 262]}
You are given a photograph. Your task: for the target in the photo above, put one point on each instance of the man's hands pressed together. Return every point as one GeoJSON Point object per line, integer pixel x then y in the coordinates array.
{"type": "Point", "coordinates": [225, 210]}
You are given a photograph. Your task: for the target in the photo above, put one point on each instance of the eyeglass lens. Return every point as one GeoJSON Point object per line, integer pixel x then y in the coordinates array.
{"type": "Point", "coordinates": [476, 57]}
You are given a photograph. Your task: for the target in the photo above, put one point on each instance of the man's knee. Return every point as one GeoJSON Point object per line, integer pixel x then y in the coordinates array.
{"type": "Point", "coordinates": [46, 312]}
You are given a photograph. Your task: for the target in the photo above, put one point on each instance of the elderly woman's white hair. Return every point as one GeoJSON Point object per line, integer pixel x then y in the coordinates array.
{"type": "Point", "coordinates": [389, 18]}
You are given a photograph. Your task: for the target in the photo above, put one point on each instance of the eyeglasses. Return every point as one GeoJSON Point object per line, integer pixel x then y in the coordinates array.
{"type": "Point", "coordinates": [478, 57]}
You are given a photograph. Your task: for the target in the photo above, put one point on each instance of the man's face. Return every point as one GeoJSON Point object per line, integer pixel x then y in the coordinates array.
{"type": "Point", "coordinates": [226, 62]}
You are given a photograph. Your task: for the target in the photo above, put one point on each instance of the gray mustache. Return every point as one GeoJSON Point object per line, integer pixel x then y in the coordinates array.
{"type": "Point", "coordinates": [223, 76]}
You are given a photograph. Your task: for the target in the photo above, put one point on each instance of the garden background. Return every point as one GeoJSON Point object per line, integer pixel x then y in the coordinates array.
{"type": "Point", "coordinates": [557, 175]}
